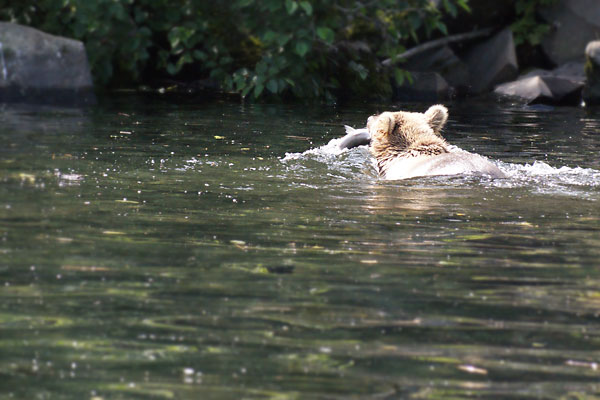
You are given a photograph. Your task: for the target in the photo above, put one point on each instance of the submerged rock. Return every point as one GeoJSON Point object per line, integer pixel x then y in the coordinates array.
{"type": "Point", "coordinates": [41, 68]}
{"type": "Point", "coordinates": [492, 62]}
{"type": "Point", "coordinates": [591, 91]}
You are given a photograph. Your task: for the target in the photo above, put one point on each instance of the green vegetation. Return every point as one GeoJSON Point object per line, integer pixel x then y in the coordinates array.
{"type": "Point", "coordinates": [527, 28]}
{"type": "Point", "coordinates": [286, 48]}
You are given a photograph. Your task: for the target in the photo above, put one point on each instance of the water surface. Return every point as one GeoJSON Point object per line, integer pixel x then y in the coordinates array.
{"type": "Point", "coordinates": [164, 248]}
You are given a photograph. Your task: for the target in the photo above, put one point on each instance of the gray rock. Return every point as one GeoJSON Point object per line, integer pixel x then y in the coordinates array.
{"type": "Point", "coordinates": [42, 68]}
{"type": "Point", "coordinates": [543, 89]}
{"type": "Point", "coordinates": [443, 61]}
{"type": "Point", "coordinates": [562, 85]}
{"type": "Point", "coordinates": [492, 62]}
{"type": "Point", "coordinates": [573, 24]}
{"type": "Point", "coordinates": [591, 91]}
{"type": "Point", "coordinates": [572, 70]}
{"type": "Point", "coordinates": [426, 86]}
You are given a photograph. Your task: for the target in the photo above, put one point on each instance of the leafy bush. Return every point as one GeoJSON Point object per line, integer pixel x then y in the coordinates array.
{"type": "Point", "coordinates": [527, 28]}
{"type": "Point", "coordinates": [298, 48]}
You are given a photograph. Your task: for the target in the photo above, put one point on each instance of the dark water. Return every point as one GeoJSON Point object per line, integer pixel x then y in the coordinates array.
{"type": "Point", "coordinates": [168, 249]}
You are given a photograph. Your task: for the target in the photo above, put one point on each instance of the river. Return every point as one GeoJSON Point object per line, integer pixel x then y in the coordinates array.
{"type": "Point", "coordinates": [171, 248]}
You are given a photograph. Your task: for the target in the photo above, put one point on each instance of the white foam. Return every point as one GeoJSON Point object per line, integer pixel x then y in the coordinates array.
{"type": "Point", "coordinates": [330, 149]}
{"type": "Point", "coordinates": [543, 172]}
{"type": "Point", "coordinates": [540, 176]}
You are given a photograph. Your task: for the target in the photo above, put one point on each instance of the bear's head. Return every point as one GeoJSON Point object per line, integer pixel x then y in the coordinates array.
{"type": "Point", "coordinates": [407, 133]}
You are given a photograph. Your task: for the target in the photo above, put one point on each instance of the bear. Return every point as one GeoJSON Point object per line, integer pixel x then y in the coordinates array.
{"type": "Point", "coordinates": [410, 144]}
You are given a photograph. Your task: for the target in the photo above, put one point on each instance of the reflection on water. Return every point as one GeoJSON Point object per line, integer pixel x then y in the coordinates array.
{"type": "Point", "coordinates": [164, 248]}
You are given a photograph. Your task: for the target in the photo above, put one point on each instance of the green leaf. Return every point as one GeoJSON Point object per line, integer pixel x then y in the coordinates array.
{"type": "Point", "coordinates": [225, 61]}
{"type": "Point", "coordinates": [283, 39]}
{"type": "Point", "coordinates": [270, 36]}
{"type": "Point", "coordinates": [199, 55]}
{"type": "Point", "coordinates": [451, 8]}
{"type": "Point", "coordinates": [307, 7]}
{"type": "Point", "coordinates": [179, 35]}
{"type": "Point", "coordinates": [302, 48]}
{"type": "Point", "coordinates": [272, 86]}
{"type": "Point", "coordinates": [174, 38]}
{"type": "Point", "coordinates": [442, 28]}
{"type": "Point", "coordinates": [463, 4]}
{"type": "Point", "coordinates": [172, 69]}
{"type": "Point", "coordinates": [239, 81]}
{"type": "Point", "coordinates": [258, 90]}
{"type": "Point", "coordinates": [261, 68]}
{"type": "Point", "coordinates": [359, 69]}
{"type": "Point", "coordinates": [399, 76]}
{"type": "Point", "coordinates": [281, 85]}
{"type": "Point", "coordinates": [326, 34]}
{"type": "Point", "coordinates": [291, 6]}
{"type": "Point", "coordinates": [246, 91]}
{"type": "Point", "coordinates": [415, 22]}
{"type": "Point", "coordinates": [273, 70]}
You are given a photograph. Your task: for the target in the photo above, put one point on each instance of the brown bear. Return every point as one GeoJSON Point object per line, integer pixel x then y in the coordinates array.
{"type": "Point", "coordinates": [409, 144]}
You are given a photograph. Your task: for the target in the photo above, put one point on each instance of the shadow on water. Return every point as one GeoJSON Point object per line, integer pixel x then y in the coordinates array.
{"type": "Point", "coordinates": [158, 249]}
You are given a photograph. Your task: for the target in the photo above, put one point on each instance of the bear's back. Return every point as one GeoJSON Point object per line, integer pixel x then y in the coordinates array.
{"type": "Point", "coordinates": [456, 162]}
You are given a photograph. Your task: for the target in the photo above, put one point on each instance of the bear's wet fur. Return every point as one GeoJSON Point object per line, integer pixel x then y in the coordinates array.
{"type": "Point", "coordinates": [411, 144]}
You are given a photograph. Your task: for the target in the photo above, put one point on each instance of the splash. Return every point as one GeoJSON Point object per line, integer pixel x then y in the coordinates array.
{"type": "Point", "coordinates": [539, 176]}
{"type": "Point", "coordinates": [544, 178]}
{"type": "Point", "coordinates": [331, 161]}
{"type": "Point", "coordinates": [325, 152]}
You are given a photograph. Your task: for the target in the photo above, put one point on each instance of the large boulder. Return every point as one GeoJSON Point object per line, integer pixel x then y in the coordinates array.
{"type": "Point", "coordinates": [573, 24]}
{"type": "Point", "coordinates": [425, 86]}
{"type": "Point", "coordinates": [560, 86]}
{"type": "Point", "coordinates": [38, 67]}
{"type": "Point", "coordinates": [443, 61]}
{"type": "Point", "coordinates": [540, 89]}
{"type": "Point", "coordinates": [591, 91]}
{"type": "Point", "coordinates": [492, 62]}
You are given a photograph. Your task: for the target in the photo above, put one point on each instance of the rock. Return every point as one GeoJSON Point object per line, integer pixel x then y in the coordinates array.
{"type": "Point", "coordinates": [42, 68]}
{"type": "Point", "coordinates": [572, 70]}
{"type": "Point", "coordinates": [591, 91]}
{"type": "Point", "coordinates": [492, 62]}
{"type": "Point", "coordinates": [543, 89]}
{"type": "Point", "coordinates": [443, 61]}
{"type": "Point", "coordinates": [562, 85]}
{"type": "Point", "coordinates": [574, 23]}
{"type": "Point", "coordinates": [426, 86]}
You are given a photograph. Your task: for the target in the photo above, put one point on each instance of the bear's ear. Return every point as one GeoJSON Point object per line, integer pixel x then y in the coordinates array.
{"type": "Point", "coordinates": [436, 117]}
{"type": "Point", "coordinates": [383, 124]}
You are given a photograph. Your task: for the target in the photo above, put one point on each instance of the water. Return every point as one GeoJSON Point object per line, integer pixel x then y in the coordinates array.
{"type": "Point", "coordinates": [162, 248]}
